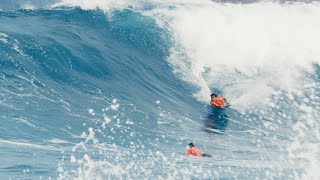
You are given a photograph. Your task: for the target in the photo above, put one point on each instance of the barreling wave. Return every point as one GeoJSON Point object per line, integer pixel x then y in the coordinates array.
{"type": "Point", "coordinates": [110, 89]}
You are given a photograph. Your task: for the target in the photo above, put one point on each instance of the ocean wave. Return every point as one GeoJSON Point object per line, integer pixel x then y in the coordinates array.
{"type": "Point", "coordinates": [109, 89]}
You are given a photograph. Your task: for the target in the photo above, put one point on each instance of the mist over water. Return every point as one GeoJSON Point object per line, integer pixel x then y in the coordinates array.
{"type": "Point", "coordinates": [117, 89]}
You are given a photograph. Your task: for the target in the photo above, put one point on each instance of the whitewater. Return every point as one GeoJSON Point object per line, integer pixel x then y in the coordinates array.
{"type": "Point", "coordinates": [106, 89]}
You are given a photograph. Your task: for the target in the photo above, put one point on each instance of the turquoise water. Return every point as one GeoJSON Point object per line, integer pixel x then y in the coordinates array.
{"type": "Point", "coordinates": [119, 91]}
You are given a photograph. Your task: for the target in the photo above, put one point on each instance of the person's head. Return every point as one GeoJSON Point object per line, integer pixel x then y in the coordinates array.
{"type": "Point", "coordinates": [213, 95]}
{"type": "Point", "coordinates": [191, 145]}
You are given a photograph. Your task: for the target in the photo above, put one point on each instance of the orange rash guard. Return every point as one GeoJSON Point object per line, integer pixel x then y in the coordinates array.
{"type": "Point", "coordinates": [218, 102]}
{"type": "Point", "coordinates": [194, 151]}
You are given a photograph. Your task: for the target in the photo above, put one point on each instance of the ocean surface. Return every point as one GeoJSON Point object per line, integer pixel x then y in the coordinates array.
{"type": "Point", "coordinates": [108, 89]}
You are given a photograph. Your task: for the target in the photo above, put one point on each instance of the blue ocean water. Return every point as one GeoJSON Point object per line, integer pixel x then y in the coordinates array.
{"type": "Point", "coordinates": [109, 90]}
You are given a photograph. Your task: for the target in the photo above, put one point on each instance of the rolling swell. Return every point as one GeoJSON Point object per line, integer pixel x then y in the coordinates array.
{"type": "Point", "coordinates": [58, 64]}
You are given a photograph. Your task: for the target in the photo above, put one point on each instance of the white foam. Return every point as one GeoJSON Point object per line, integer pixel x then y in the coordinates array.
{"type": "Point", "coordinates": [267, 42]}
{"type": "Point", "coordinates": [3, 37]}
{"type": "Point", "coordinates": [305, 143]}
{"type": "Point", "coordinates": [15, 43]}
{"type": "Point", "coordinates": [25, 121]}
{"type": "Point", "coordinates": [73, 159]}
{"type": "Point", "coordinates": [214, 39]}
{"type": "Point", "coordinates": [31, 145]}
{"type": "Point", "coordinates": [114, 106]}
{"type": "Point", "coordinates": [16, 47]}
{"type": "Point", "coordinates": [91, 135]}
{"type": "Point", "coordinates": [58, 141]}
{"type": "Point", "coordinates": [249, 51]}
{"type": "Point", "coordinates": [107, 120]}
{"type": "Point", "coordinates": [105, 5]}
{"type": "Point", "coordinates": [29, 7]}
{"type": "Point", "coordinates": [91, 111]}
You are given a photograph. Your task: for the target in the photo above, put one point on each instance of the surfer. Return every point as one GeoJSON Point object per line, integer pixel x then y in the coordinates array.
{"type": "Point", "coordinates": [195, 151]}
{"type": "Point", "coordinates": [219, 101]}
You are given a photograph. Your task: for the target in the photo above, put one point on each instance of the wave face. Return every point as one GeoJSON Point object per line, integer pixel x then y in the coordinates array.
{"type": "Point", "coordinates": [110, 89]}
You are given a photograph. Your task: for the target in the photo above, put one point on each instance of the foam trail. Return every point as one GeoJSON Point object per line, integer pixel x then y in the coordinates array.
{"type": "Point", "coordinates": [30, 145]}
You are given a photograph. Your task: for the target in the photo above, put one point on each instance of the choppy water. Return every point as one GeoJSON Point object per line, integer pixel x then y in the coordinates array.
{"type": "Point", "coordinates": [117, 89]}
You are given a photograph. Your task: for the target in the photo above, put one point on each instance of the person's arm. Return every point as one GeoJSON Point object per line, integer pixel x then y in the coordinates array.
{"type": "Point", "coordinates": [200, 152]}
{"type": "Point", "coordinates": [214, 103]}
{"type": "Point", "coordinates": [225, 100]}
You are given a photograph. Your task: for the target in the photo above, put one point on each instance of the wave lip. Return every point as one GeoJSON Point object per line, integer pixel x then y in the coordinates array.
{"type": "Point", "coordinates": [96, 4]}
